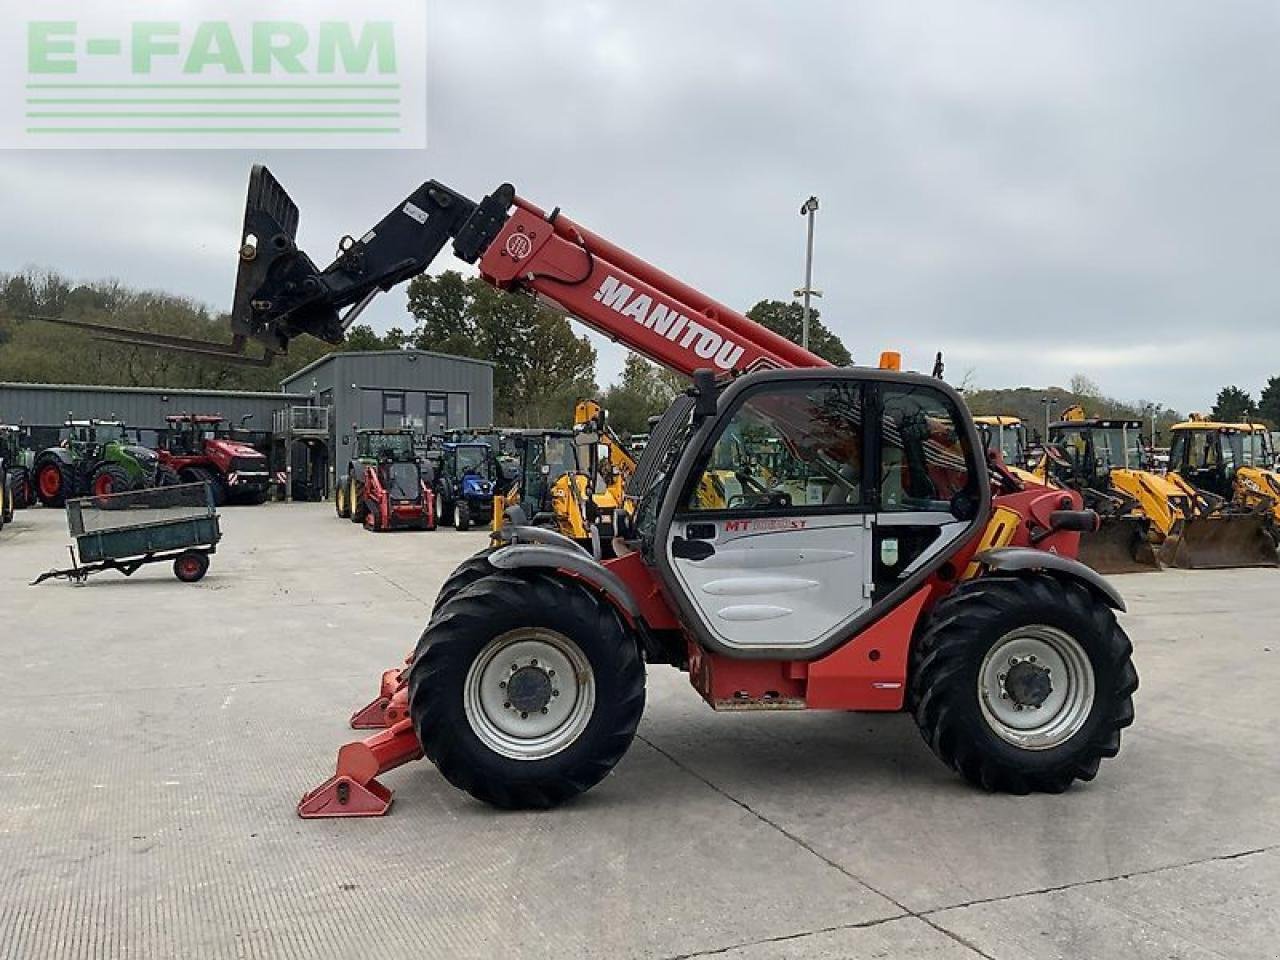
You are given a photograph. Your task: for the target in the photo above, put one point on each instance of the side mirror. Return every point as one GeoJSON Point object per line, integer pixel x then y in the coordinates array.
{"type": "Point", "coordinates": [704, 394]}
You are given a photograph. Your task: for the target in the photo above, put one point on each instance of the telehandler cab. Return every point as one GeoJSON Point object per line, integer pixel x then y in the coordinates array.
{"type": "Point", "coordinates": [884, 570]}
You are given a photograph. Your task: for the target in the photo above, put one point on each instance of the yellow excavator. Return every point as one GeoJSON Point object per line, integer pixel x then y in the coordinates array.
{"type": "Point", "coordinates": [571, 481]}
{"type": "Point", "coordinates": [1229, 467]}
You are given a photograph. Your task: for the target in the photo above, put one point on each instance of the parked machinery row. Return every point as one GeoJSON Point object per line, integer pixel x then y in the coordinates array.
{"type": "Point", "coordinates": [1216, 505]}
{"type": "Point", "coordinates": [101, 457]}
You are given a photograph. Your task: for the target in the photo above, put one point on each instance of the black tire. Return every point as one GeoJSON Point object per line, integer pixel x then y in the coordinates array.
{"type": "Point", "coordinates": [462, 516]}
{"type": "Point", "coordinates": [372, 516]}
{"type": "Point", "coordinates": [190, 567]}
{"type": "Point", "coordinates": [257, 497]}
{"type": "Point", "coordinates": [21, 488]}
{"type": "Point", "coordinates": [468, 572]}
{"type": "Point", "coordinates": [355, 496]}
{"type": "Point", "coordinates": [7, 505]}
{"type": "Point", "coordinates": [166, 476]}
{"type": "Point", "coordinates": [215, 482]}
{"type": "Point", "coordinates": [946, 667]}
{"type": "Point", "coordinates": [340, 502]}
{"type": "Point", "coordinates": [109, 479]}
{"type": "Point", "coordinates": [45, 490]}
{"type": "Point", "coordinates": [457, 636]}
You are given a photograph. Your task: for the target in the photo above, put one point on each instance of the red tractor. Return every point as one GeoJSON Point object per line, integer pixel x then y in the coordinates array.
{"type": "Point", "coordinates": [199, 449]}
{"type": "Point", "coordinates": [879, 560]}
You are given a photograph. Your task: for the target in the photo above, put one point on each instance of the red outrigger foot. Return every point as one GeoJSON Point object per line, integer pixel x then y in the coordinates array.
{"type": "Point", "coordinates": [385, 710]}
{"type": "Point", "coordinates": [353, 790]}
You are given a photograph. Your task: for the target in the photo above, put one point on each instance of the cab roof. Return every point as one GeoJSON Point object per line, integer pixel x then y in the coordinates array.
{"type": "Point", "coordinates": [1096, 423]}
{"type": "Point", "coordinates": [998, 420]}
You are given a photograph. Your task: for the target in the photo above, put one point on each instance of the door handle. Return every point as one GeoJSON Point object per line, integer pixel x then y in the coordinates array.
{"type": "Point", "coordinates": [694, 550]}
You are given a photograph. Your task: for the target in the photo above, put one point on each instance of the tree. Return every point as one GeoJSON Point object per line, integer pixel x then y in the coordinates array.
{"type": "Point", "coordinates": [542, 367]}
{"type": "Point", "coordinates": [1084, 388]}
{"type": "Point", "coordinates": [1233, 405]}
{"type": "Point", "coordinates": [1269, 402]}
{"type": "Point", "coordinates": [787, 319]}
{"type": "Point", "coordinates": [643, 391]}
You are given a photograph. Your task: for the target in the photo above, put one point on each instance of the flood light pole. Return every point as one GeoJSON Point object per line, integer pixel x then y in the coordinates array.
{"type": "Point", "coordinates": [808, 209]}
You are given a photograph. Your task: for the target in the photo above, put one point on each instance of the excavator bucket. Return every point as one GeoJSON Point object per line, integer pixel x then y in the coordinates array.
{"type": "Point", "coordinates": [1222, 541]}
{"type": "Point", "coordinates": [1119, 545]}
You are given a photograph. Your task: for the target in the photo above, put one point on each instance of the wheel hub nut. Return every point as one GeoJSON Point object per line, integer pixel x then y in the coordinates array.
{"type": "Point", "coordinates": [1027, 684]}
{"type": "Point", "coordinates": [529, 689]}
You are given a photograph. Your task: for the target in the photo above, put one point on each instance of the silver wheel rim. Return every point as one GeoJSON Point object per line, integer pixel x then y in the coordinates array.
{"type": "Point", "coordinates": [529, 694]}
{"type": "Point", "coordinates": [1040, 653]}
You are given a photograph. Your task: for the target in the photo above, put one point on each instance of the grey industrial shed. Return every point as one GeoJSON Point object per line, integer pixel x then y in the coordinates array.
{"type": "Point", "coordinates": [45, 406]}
{"type": "Point", "coordinates": [428, 392]}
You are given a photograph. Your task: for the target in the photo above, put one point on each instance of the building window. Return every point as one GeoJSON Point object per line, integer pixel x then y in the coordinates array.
{"type": "Point", "coordinates": [393, 404]}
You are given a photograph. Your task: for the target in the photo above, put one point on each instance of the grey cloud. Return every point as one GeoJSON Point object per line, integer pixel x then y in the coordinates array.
{"type": "Point", "coordinates": [1034, 189]}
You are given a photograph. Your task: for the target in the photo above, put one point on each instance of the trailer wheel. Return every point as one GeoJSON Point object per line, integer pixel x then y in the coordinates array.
{"type": "Point", "coordinates": [191, 566]}
{"type": "Point", "coordinates": [52, 483]}
{"type": "Point", "coordinates": [526, 691]}
{"type": "Point", "coordinates": [462, 515]}
{"type": "Point", "coordinates": [1023, 684]}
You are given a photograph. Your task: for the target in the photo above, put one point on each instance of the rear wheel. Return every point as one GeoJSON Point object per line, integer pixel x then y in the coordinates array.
{"type": "Point", "coordinates": [109, 479]}
{"type": "Point", "coordinates": [53, 480]}
{"type": "Point", "coordinates": [340, 502]}
{"type": "Point", "coordinates": [462, 516]}
{"type": "Point", "coordinates": [20, 488]}
{"type": "Point", "coordinates": [166, 476]}
{"type": "Point", "coordinates": [7, 504]}
{"type": "Point", "coordinates": [526, 691]}
{"type": "Point", "coordinates": [191, 566]}
{"type": "Point", "coordinates": [1023, 684]}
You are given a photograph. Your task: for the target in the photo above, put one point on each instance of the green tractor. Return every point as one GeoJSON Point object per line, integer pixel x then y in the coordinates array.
{"type": "Point", "coordinates": [372, 447]}
{"type": "Point", "coordinates": [96, 457]}
{"type": "Point", "coordinates": [15, 471]}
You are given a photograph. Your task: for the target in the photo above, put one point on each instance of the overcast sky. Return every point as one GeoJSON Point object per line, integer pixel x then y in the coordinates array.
{"type": "Point", "coordinates": [1035, 189]}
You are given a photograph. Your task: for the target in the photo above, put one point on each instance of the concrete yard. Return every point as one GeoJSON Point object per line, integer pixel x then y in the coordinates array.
{"type": "Point", "coordinates": [156, 737]}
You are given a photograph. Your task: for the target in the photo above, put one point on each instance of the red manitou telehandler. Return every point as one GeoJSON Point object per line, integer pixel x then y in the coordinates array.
{"type": "Point", "coordinates": [874, 560]}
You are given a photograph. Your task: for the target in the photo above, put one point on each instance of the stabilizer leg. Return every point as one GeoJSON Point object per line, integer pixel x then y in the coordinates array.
{"type": "Point", "coordinates": [380, 713]}
{"type": "Point", "coordinates": [353, 790]}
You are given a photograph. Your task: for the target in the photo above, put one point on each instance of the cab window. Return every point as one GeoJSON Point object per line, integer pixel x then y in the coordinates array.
{"type": "Point", "coordinates": [790, 446]}
{"type": "Point", "coordinates": [925, 460]}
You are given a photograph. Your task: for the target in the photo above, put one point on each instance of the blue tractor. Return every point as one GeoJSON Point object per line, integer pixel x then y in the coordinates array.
{"type": "Point", "coordinates": [466, 480]}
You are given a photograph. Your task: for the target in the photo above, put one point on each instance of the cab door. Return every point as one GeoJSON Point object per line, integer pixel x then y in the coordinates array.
{"type": "Point", "coordinates": [812, 498]}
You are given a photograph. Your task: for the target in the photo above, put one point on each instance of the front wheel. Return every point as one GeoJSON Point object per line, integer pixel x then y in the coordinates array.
{"type": "Point", "coordinates": [1023, 684]}
{"type": "Point", "coordinates": [53, 481]}
{"type": "Point", "coordinates": [526, 690]}
{"type": "Point", "coordinates": [340, 502]}
{"type": "Point", "coordinates": [462, 516]}
{"type": "Point", "coordinates": [109, 479]}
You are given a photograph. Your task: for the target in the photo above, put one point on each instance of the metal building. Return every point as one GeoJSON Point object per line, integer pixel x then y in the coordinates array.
{"type": "Point", "coordinates": [44, 407]}
{"type": "Point", "coordinates": [427, 392]}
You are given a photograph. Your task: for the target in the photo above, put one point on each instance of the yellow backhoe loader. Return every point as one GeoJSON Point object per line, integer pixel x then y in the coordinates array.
{"type": "Point", "coordinates": [571, 481]}
{"type": "Point", "coordinates": [1227, 467]}
{"type": "Point", "coordinates": [1102, 459]}
{"type": "Point", "coordinates": [1007, 435]}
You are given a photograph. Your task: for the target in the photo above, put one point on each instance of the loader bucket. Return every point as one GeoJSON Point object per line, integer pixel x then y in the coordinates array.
{"type": "Point", "coordinates": [1119, 545]}
{"type": "Point", "coordinates": [1218, 542]}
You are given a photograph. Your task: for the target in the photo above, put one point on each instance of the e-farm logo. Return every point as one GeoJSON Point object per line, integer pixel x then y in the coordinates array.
{"type": "Point", "coordinates": [192, 73]}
